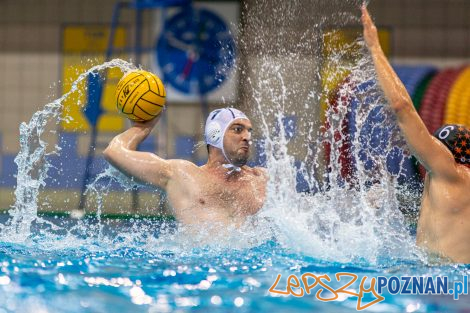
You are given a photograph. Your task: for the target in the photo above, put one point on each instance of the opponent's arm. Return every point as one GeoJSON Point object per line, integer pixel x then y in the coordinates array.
{"type": "Point", "coordinates": [144, 166]}
{"type": "Point", "coordinates": [435, 157]}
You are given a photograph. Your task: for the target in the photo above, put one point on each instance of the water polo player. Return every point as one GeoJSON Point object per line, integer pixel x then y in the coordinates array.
{"type": "Point", "coordinates": [224, 190]}
{"type": "Point", "coordinates": [444, 221]}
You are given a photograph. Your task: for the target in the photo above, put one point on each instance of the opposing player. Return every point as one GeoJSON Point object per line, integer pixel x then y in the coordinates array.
{"type": "Point", "coordinates": [444, 221]}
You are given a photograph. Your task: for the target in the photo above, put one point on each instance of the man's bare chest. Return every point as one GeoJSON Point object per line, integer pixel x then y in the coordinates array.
{"type": "Point", "coordinates": [245, 196]}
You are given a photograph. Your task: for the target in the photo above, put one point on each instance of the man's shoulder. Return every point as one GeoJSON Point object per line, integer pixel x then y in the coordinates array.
{"type": "Point", "coordinates": [458, 183]}
{"type": "Point", "coordinates": [183, 164]}
{"type": "Point", "coordinates": [464, 173]}
{"type": "Point", "coordinates": [258, 171]}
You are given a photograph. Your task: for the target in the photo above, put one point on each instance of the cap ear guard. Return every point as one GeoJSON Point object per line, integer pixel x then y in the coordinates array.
{"type": "Point", "coordinates": [213, 133]}
{"type": "Point", "coordinates": [457, 139]}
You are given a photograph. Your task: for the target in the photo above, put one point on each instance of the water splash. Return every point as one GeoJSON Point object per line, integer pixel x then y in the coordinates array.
{"type": "Point", "coordinates": [347, 210]}
{"type": "Point", "coordinates": [32, 160]}
{"type": "Point", "coordinates": [334, 217]}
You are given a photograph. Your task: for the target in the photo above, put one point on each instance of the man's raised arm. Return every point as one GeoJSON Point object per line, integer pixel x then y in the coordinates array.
{"type": "Point", "coordinates": [435, 157]}
{"type": "Point", "coordinates": [144, 166]}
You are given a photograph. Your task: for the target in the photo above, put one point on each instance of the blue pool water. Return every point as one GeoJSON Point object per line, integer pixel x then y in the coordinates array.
{"type": "Point", "coordinates": [118, 272]}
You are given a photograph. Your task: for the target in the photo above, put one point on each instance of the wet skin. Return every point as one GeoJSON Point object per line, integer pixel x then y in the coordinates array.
{"type": "Point", "coordinates": [207, 194]}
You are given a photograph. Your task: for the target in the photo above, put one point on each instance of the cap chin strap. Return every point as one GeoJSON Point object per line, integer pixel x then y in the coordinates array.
{"type": "Point", "coordinates": [232, 168]}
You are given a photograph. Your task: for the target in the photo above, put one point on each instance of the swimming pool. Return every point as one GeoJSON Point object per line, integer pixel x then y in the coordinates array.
{"type": "Point", "coordinates": [138, 265]}
{"type": "Point", "coordinates": [134, 266]}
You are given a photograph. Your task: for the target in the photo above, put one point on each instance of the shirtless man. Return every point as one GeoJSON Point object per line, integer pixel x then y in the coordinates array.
{"type": "Point", "coordinates": [444, 221]}
{"type": "Point", "coordinates": [224, 190]}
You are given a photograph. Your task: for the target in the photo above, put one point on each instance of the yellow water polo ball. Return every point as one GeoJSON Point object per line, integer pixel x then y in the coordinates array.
{"type": "Point", "coordinates": [140, 95]}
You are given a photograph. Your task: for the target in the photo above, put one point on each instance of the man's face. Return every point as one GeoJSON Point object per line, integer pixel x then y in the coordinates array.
{"type": "Point", "coordinates": [237, 141]}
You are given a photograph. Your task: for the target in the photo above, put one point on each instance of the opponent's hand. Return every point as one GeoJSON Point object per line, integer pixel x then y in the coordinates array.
{"type": "Point", "coordinates": [371, 35]}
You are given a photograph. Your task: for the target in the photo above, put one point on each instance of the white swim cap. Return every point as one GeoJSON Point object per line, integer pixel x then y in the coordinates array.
{"type": "Point", "coordinates": [217, 124]}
